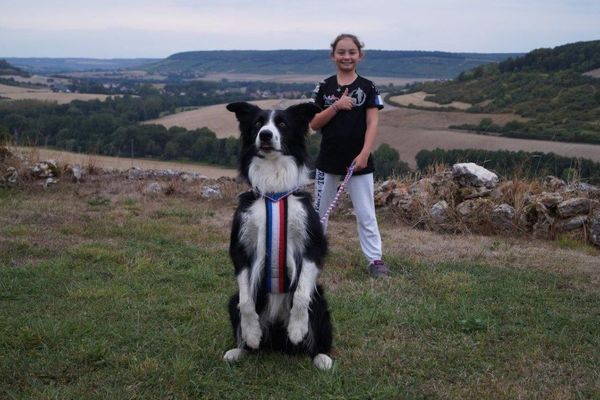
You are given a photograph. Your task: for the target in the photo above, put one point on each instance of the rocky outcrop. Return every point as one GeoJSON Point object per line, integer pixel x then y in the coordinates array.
{"type": "Point", "coordinates": [470, 198]}
{"type": "Point", "coordinates": [135, 173]}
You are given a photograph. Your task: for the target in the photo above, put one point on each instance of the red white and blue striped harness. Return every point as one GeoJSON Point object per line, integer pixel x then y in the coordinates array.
{"type": "Point", "coordinates": [276, 279]}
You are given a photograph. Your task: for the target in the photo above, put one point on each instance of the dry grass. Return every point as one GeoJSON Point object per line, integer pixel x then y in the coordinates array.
{"type": "Point", "coordinates": [118, 163]}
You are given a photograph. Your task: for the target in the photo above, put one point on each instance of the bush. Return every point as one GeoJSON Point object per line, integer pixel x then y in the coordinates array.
{"type": "Point", "coordinates": [387, 163]}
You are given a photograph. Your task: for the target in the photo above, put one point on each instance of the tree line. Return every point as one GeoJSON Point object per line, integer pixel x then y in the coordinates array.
{"type": "Point", "coordinates": [518, 164]}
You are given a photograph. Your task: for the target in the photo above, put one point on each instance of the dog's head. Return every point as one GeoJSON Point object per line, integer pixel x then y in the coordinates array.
{"type": "Point", "coordinates": [271, 139]}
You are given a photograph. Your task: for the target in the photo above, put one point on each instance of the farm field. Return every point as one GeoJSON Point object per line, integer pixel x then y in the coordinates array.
{"type": "Point", "coordinates": [120, 163]}
{"type": "Point", "coordinates": [216, 118]}
{"type": "Point", "coordinates": [410, 131]}
{"type": "Point", "coordinates": [297, 78]}
{"type": "Point", "coordinates": [21, 93]}
{"type": "Point", "coordinates": [418, 99]}
{"type": "Point", "coordinates": [407, 130]}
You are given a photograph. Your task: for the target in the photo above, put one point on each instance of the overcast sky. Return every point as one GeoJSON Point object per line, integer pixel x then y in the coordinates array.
{"type": "Point", "coordinates": [151, 28]}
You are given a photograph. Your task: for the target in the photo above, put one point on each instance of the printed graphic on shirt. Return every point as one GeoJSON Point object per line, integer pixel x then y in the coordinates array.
{"type": "Point", "coordinates": [358, 98]}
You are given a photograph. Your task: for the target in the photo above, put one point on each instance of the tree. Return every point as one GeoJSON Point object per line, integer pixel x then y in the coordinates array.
{"type": "Point", "coordinates": [387, 162]}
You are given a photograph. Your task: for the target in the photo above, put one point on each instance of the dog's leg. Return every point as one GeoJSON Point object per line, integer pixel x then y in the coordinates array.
{"type": "Point", "coordinates": [250, 325]}
{"type": "Point", "coordinates": [298, 324]}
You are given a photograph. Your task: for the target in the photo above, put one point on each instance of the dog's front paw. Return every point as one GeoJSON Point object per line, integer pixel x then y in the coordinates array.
{"type": "Point", "coordinates": [233, 355]}
{"type": "Point", "coordinates": [298, 325]}
{"type": "Point", "coordinates": [323, 362]}
{"type": "Point", "coordinates": [251, 332]}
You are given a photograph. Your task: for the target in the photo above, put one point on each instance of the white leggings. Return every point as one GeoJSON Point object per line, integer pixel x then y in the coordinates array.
{"type": "Point", "coordinates": [360, 188]}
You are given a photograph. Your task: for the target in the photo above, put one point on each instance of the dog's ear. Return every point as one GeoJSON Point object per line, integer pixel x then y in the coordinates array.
{"type": "Point", "coordinates": [304, 111]}
{"type": "Point", "coordinates": [243, 111]}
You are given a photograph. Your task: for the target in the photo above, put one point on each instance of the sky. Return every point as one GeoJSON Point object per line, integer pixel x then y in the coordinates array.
{"type": "Point", "coordinates": [157, 29]}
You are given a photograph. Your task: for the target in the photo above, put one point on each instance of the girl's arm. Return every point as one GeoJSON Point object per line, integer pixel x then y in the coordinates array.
{"type": "Point", "coordinates": [321, 119]}
{"type": "Point", "coordinates": [370, 136]}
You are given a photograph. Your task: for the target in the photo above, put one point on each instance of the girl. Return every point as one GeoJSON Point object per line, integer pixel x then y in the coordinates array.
{"type": "Point", "coordinates": [348, 125]}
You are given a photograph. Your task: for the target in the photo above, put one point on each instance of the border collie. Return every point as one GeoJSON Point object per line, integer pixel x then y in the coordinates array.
{"type": "Point", "coordinates": [277, 242]}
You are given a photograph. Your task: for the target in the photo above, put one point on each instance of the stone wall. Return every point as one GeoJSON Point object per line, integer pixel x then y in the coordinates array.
{"type": "Point", "coordinates": [469, 198]}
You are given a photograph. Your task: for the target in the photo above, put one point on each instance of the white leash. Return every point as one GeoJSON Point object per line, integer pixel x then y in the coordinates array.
{"type": "Point", "coordinates": [339, 192]}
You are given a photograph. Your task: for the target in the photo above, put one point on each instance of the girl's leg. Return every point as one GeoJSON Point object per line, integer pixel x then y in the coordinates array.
{"type": "Point", "coordinates": [325, 189]}
{"type": "Point", "coordinates": [361, 191]}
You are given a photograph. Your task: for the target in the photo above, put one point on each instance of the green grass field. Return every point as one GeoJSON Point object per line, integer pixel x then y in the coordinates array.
{"type": "Point", "coordinates": [109, 294]}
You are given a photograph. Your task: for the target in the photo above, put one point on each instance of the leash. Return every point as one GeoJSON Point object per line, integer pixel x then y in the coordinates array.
{"type": "Point", "coordinates": [339, 192]}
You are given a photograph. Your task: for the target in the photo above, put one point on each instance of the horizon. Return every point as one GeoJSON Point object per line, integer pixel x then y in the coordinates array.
{"type": "Point", "coordinates": [112, 29]}
{"type": "Point", "coordinates": [247, 50]}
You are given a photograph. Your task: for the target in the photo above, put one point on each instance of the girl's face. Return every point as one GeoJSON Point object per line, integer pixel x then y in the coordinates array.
{"type": "Point", "coordinates": [346, 55]}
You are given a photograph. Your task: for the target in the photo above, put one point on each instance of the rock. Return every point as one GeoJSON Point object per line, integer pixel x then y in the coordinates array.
{"type": "Point", "coordinates": [49, 181]}
{"type": "Point", "coordinates": [544, 222]}
{"type": "Point", "coordinates": [153, 188]}
{"type": "Point", "coordinates": [470, 192]}
{"type": "Point", "coordinates": [467, 208]}
{"type": "Point", "coordinates": [584, 187]}
{"type": "Point", "coordinates": [185, 177]}
{"type": "Point", "coordinates": [439, 212]}
{"type": "Point", "coordinates": [554, 184]}
{"type": "Point", "coordinates": [503, 216]}
{"type": "Point", "coordinates": [471, 174]}
{"type": "Point", "coordinates": [572, 207]}
{"type": "Point", "coordinates": [45, 169]}
{"type": "Point", "coordinates": [10, 177]}
{"type": "Point", "coordinates": [387, 186]}
{"type": "Point", "coordinates": [550, 199]}
{"type": "Point", "coordinates": [591, 191]}
{"type": "Point", "coordinates": [572, 223]}
{"type": "Point", "coordinates": [211, 192]}
{"type": "Point", "coordinates": [594, 229]}
{"type": "Point", "coordinates": [421, 190]}
{"type": "Point", "coordinates": [135, 173]}
{"type": "Point", "coordinates": [74, 171]}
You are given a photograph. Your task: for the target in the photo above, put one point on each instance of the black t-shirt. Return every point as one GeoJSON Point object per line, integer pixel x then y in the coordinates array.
{"type": "Point", "coordinates": [344, 136]}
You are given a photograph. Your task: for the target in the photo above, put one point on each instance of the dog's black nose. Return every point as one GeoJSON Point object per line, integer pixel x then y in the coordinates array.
{"type": "Point", "coordinates": [265, 135]}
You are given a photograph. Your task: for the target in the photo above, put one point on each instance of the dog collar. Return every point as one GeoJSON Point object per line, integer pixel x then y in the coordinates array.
{"type": "Point", "coordinates": [274, 197]}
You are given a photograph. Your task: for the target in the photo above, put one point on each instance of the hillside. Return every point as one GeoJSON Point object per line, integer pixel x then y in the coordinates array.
{"type": "Point", "coordinates": [552, 87]}
{"type": "Point", "coordinates": [8, 69]}
{"type": "Point", "coordinates": [380, 63]}
{"type": "Point", "coordinates": [44, 65]}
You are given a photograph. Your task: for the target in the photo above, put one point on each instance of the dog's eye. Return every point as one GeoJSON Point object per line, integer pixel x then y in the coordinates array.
{"type": "Point", "coordinates": [282, 124]}
{"type": "Point", "coordinates": [258, 124]}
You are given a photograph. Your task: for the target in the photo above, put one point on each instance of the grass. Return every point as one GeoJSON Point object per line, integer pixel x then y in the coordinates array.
{"type": "Point", "coordinates": [116, 296]}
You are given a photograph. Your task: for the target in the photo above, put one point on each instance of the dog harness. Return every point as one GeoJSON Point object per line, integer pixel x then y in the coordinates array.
{"type": "Point", "coordinates": [276, 279]}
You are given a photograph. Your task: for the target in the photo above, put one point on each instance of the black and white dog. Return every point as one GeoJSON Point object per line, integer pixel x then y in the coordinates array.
{"type": "Point", "coordinates": [277, 242]}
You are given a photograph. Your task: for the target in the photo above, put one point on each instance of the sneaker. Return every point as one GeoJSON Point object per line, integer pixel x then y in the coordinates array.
{"type": "Point", "coordinates": [377, 269]}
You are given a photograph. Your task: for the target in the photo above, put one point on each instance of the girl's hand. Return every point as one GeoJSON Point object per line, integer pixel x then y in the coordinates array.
{"type": "Point", "coordinates": [361, 161]}
{"type": "Point", "coordinates": [344, 102]}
